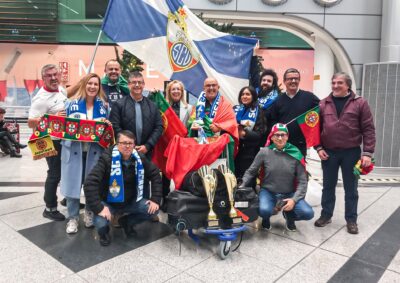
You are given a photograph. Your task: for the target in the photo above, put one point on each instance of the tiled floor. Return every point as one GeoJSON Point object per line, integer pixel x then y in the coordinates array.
{"type": "Point", "coordinates": [34, 249]}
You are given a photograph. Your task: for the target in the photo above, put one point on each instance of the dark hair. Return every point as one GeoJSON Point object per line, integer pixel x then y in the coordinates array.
{"type": "Point", "coordinates": [346, 76]}
{"type": "Point", "coordinates": [135, 74]}
{"type": "Point", "coordinates": [2, 110]}
{"type": "Point", "coordinates": [289, 71]}
{"type": "Point", "coordinates": [272, 73]}
{"type": "Point", "coordinates": [253, 95]}
{"type": "Point", "coordinates": [127, 134]}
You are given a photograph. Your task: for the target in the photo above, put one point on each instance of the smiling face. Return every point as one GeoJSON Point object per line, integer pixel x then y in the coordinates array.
{"type": "Point", "coordinates": [211, 88]}
{"type": "Point", "coordinates": [113, 70]}
{"type": "Point", "coordinates": [280, 139]}
{"type": "Point", "coordinates": [136, 86]}
{"type": "Point", "coordinates": [246, 98]}
{"type": "Point", "coordinates": [176, 92]}
{"type": "Point", "coordinates": [92, 87]}
{"type": "Point", "coordinates": [51, 79]}
{"type": "Point", "coordinates": [266, 82]}
{"type": "Point", "coordinates": [125, 146]}
{"type": "Point", "coordinates": [292, 81]}
{"type": "Point", "coordinates": [339, 86]}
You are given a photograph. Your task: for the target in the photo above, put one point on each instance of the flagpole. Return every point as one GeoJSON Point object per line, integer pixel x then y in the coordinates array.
{"type": "Point", "coordinates": [95, 50]}
{"type": "Point", "coordinates": [294, 119]}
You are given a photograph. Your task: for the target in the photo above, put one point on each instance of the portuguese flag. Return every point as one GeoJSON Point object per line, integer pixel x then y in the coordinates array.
{"type": "Point", "coordinates": [172, 126]}
{"type": "Point", "coordinates": [309, 124]}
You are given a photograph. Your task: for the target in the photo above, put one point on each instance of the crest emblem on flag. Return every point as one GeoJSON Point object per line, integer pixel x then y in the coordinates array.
{"type": "Point", "coordinates": [41, 144]}
{"type": "Point", "coordinates": [56, 126]}
{"type": "Point", "coordinates": [99, 130]}
{"type": "Point", "coordinates": [311, 119]}
{"type": "Point", "coordinates": [42, 125]}
{"type": "Point", "coordinates": [86, 130]}
{"type": "Point", "coordinates": [72, 128]}
{"type": "Point", "coordinates": [182, 55]}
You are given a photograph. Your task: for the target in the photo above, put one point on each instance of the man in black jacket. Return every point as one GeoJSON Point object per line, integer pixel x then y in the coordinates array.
{"type": "Point", "coordinates": [292, 104]}
{"type": "Point", "coordinates": [115, 186]}
{"type": "Point", "coordinates": [139, 115]}
{"type": "Point", "coordinates": [7, 139]}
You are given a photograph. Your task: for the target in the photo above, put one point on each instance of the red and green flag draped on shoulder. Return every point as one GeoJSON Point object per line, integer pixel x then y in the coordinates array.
{"type": "Point", "coordinates": [172, 126]}
{"type": "Point", "coordinates": [309, 124]}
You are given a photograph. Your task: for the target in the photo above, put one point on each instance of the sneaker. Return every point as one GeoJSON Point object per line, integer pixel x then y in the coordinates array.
{"type": "Point", "coordinates": [352, 228]}
{"type": "Point", "coordinates": [53, 215]}
{"type": "Point", "coordinates": [15, 154]}
{"type": "Point", "coordinates": [265, 224]}
{"type": "Point", "coordinates": [290, 225]}
{"type": "Point", "coordinates": [88, 219]}
{"type": "Point", "coordinates": [72, 226]}
{"type": "Point", "coordinates": [322, 222]}
{"type": "Point", "coordinates": [20, 145]}
{"type": "Point", "coordinates": [105, 239]}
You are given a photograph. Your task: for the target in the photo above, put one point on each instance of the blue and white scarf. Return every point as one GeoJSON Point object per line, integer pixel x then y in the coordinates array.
{"type": "Point", "coordinates": [77, 109]}
{"type": "Point", "coordinates": [246, 116]}
{"type": "Point", "coordinates": [116, 191]}
{"type": "Point", "coordinates": [266, 101]}
{"type": "Point", "coordinates": [201, 106]}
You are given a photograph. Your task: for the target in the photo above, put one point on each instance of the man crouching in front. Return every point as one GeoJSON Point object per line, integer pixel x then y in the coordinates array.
{"type": "Point", "coordinates": [115, 186]}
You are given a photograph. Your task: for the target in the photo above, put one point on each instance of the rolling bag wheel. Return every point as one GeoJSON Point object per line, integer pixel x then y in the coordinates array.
{"type": "Point", "coordinates": [180, 226]}
{"type": "Point", "coordinates": [224, 249]}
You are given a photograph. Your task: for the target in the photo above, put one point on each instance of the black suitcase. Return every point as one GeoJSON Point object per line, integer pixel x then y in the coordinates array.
{"type": "Point", "coordinates": [246, 200]}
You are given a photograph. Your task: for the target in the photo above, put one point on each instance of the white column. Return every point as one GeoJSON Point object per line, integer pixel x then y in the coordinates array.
{"type": "Point", "coordinates": [390, 35]}
{"type": "Point", "coordinates": [324, 66]}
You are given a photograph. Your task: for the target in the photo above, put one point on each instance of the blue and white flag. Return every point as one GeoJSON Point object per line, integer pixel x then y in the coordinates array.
{"type": "Point", "coordinates": [168, 36]}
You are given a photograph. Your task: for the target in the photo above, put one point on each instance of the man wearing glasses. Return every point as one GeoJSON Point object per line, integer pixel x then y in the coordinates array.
{"type": "Point", "coordinates": [115, 186]}
{"type": "Point", "coordinates": [139, 115]}
{"type": "Point", "coordinates": [50, 99]}
{"type": "Point", "coordinates": [292, 104]}
{"type": "Point", "coordinates": [283, 167]}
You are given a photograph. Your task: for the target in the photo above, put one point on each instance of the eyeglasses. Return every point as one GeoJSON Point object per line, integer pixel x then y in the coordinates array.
{"type": "Point", "coordinates": [279, 135]}
{"type": "Point", "coordinates": [211, 85]}
{"type": "Point", "coordinates": [49, 76]}
{"type": "Point", "coordinates": [126, 143]}
{"type": "Point", "coordinates": [292, 79]}
{"type": "Point", "coordinates": [136, 83]}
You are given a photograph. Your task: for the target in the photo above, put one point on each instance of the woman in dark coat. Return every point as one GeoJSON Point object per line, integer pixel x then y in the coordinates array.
{"type": "Point", "coordinates": [252, 129]}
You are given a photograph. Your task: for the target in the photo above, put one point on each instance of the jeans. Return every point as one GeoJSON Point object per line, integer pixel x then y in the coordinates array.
{"type": "Point", "coordinates": [53, 177]}
{"type": "Point", "coordinates": [73, 208]}
{"type": "Point", "coordinates": [346, 159]}
{"type": "Point", "coordinates": [302, 210]}
{"type": "Point", "coordinates": [137, 213]}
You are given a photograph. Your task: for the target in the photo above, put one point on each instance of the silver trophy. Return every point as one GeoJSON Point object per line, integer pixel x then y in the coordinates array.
{"type": "Point", "coordinates": [231, 186]}
{"type": "Point", "coordinates": [209, 180]}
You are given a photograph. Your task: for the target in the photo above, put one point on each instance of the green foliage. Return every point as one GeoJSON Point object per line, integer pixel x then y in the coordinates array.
{"type": "Point", "coordinates": [129, 63]}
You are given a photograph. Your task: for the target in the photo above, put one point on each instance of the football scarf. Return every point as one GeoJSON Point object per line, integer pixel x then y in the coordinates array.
{"type": "Point", "coordinates": [246, 116]}
{"type": "Point", "coordinates": [116, 191]}
{"type": "Point", "coordinates": [266, 101]}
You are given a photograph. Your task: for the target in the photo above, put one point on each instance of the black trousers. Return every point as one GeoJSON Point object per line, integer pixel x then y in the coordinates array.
{"type": "Point", "coordinates": [8, 140]}
{"type": "Point", "coordinates": [53, 177]}
{"type": "Point", "coordinates": [345, 159]}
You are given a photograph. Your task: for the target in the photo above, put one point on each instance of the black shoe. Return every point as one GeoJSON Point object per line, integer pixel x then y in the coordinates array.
{"type": "Point", "coordinates": [322, 221]}
{"type": "Point", "coordinates": [20, 145]}
{"type": "Point", "coordinates": [53, 215]}
{"type": "Point", "coordinates": [15, 154]}
{"type": "Point", "coordinates": [105, 239]}
{"type": "Point", "coordinates": [352, 228]}
{"type": "Point", "coordinates": [290, 225]}
{"type": "Point", "coordinates": [265, 224]}
{"type": "Point", "coordinates": [128, 229]}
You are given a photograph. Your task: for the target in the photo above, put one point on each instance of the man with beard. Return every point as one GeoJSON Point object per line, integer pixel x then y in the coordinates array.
{"type": "Point", "coordinates": [50, 99]}
{"type": "Point", "coordinates": [292, 104]}
{"type": "Point", "coordinates": [113, 84]}
{"type": "Point", "coordinates": [269, 91]}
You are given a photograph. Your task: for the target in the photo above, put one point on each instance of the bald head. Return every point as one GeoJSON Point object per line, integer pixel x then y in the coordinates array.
{"type": "Point", "coordinates": [211, 88]}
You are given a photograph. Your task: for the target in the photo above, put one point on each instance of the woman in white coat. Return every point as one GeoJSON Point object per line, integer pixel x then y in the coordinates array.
{"type": "Point", "coordinates": [78, 158]}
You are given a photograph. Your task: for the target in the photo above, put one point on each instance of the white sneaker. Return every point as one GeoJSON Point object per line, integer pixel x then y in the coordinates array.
{"type": "Point", "coordinates": [88, 218]}
{"type": "Point", "coordinates": [72, 226]}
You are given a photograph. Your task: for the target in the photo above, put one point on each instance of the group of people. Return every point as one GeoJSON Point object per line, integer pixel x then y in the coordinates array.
{"type": "Point", "coordinates": [116, 181]}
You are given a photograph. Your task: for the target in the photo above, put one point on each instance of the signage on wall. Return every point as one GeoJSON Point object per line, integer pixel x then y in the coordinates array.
{"type": "Point", "coordinates": [64, 70]}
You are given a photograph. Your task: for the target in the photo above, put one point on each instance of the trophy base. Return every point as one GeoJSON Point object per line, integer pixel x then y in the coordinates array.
{"type": "Point", "coordinates": [236, 220]}
{"type": "Point", "coordinates": [213, 223]}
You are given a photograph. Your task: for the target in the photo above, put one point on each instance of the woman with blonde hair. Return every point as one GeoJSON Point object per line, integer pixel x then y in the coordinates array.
{"type": "Point", "coordinates": [78, 158]}
{"type": "Point", "coordinates": [175, 96]}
